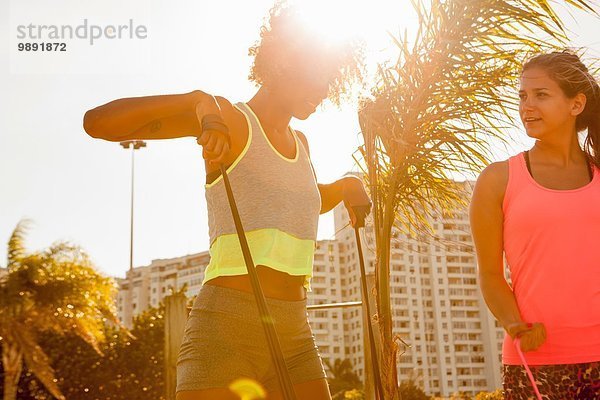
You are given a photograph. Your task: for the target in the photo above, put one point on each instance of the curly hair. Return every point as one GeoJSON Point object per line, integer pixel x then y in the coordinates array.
{"type": "Point", "coordinates": [573, 77]}
{"type": "Point", "coordinates": [285, 43]}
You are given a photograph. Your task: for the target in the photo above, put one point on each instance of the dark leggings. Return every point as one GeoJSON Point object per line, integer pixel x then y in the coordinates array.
{"type": "Point", "coordinates": [554, 382]}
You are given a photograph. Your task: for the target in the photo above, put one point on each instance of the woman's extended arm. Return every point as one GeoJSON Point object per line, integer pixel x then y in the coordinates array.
{"type": "Point", "coordinates": [150, 117]}
{"type": "Point", "coordinates": [349, 189]}
{"type": "Point", "coordinates": [333, 193]}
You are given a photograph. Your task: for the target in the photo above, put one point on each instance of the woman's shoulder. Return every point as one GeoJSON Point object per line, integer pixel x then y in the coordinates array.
{"type": "Point", "coordinates": [235, 120]}
{"type": "Point", "coordinates": [493, 181]}
{"type": "Point", "coordinates": [496, 171]}
{"type": "Point", "coordinates": [228, 111]}
{"type": "Point", "coordinates": [302, 139]}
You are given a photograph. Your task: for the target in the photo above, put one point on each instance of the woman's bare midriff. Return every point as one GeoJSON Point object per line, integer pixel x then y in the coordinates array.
{"type": "Point", "coordinates": [275, 284]}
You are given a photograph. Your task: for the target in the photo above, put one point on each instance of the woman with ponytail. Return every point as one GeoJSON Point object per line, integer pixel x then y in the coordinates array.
{"type": "Point", "coordinates": [540, 209]}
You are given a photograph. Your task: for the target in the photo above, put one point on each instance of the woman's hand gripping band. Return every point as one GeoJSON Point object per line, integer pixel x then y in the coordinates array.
{"type": "Point", "coordinates": [356, 200]}
{"type": "Point", "coordinates": [531, 336]}
{"type": "Point", "coordinates": [214, 139]}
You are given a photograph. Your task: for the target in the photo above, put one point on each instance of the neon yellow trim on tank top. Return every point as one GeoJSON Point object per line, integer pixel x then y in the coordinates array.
{"type": "Point", "coordinates": [270, 247]}
{"type": "Point", "coordinates": [290, 160]}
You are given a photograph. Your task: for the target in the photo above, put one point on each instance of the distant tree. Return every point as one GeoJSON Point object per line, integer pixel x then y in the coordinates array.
{"type": "Point", "coordinates": [130, 368]}
{"type": "Point", "coordinates": [410, 391]}
{"type": "Point", "coordinates": [461, 396]}
{"type": "Point", "coordinates": [142, 359]}
{"type": "Point", "coordinates": [341, 377]}
{"type": "Point", "coordinates": [56, 290]}
{"type": "Point", "coordinates": [495, 395]}
{"type": "Point", "coordinates": [354, 394]}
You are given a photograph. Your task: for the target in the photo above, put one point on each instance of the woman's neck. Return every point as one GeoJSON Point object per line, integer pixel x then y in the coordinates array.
{"type": "Point", "coordinates": [560, 154]}
{"type": "Point", "coordinates": [272, 114]}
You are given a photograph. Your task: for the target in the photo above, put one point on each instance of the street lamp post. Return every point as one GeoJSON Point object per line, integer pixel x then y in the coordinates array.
{"type": "Point", "coordinates": [135, 145]}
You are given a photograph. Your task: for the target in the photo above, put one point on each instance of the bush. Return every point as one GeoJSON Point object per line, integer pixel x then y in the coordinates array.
{"type": "Point", "coordinates": [130, 368]}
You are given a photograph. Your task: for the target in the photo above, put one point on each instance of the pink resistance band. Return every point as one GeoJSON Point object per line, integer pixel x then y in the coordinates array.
{"type": "Point", "coordinates": [517, 343]}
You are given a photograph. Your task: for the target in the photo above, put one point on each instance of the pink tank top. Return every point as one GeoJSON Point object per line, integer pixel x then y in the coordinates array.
{"type": "Point", "coordinates": [552, 247]}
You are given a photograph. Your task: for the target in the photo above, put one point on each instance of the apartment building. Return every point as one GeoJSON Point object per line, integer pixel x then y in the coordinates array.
{"type": "Point", "coordinates": [455, 343]}
{"type": "Point", "coordinates": [153, 282]}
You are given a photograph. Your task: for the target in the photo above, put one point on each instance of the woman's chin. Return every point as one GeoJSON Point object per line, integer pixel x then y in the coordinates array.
{"type": "Point", "coordinates": [304, 109]}
{"type": "Point", "coordinates": [303, 114]}
{"type": "Point", "coordinates": [534, 133]}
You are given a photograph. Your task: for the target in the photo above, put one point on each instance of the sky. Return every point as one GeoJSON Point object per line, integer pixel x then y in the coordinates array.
{"type": "Point", "coordinates": [76, 188]}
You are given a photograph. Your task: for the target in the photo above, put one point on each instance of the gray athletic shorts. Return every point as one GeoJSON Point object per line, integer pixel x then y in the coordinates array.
{"type": "Point", "coordinates": [224, 341]}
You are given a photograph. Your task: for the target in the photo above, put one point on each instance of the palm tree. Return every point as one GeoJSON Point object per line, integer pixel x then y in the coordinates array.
{"type": "Point", "coordinates": [341, 377]}
{"type": "Point", "coordinates": [433, 113]}
{"type": "Point", "coordinates": [55, 290]}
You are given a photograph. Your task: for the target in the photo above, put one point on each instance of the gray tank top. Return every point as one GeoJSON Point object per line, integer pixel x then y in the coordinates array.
{"type": "Point", "coordinates": [270, 190]}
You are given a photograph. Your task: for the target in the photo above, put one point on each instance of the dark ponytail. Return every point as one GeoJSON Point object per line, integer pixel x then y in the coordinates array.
{"type": "Point", "coordinates": [573, 77]}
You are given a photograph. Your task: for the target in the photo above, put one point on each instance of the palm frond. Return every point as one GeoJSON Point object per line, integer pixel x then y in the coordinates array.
{"type": "Point", "coordinates": [36, 360]}
{"type": "Point", "coordinates": [16, 244]}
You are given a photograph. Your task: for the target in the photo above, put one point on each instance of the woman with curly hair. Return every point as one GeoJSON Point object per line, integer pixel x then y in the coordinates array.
{"type": "Point", "coordinates": [279, 201]}
{"type": "Point", "coordinates": [541, 209]}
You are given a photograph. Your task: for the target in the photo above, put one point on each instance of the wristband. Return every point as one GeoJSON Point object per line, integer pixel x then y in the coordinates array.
{"type": "Point", "coordinates": [214, 122]}
{"type": "Point", "coordinates": [215, 126]}
{"type": "Point", "coordinates": [212, 118]}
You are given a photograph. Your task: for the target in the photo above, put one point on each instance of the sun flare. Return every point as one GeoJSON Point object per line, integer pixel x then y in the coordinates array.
{"type": "Point", "coordinates": [336, 21]}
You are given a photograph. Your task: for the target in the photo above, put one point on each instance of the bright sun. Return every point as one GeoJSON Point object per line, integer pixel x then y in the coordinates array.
{"type": "Point", "coordinates": [337, 20]}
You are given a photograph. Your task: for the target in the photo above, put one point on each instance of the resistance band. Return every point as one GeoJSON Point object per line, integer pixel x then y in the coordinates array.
{"type": "Point", "coordinates": [283, 376]}
{"type": "Point", "coordinates": [517, 343]}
